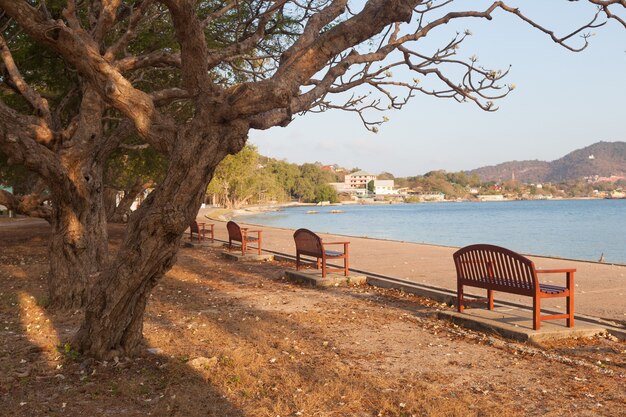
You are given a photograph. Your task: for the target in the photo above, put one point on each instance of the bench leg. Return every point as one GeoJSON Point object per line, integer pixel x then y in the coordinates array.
{"type": "Point", "coordinates": [570, 299]}
{"type": "Point", "coordinates": [490, 298]}
{"type": "Point", "coordinates": [536, 313]}
{"type": "Point", "coordinates": [323, 267]}
{"type": "Point", "coordinates": [346, 272]}
{"type": "Point", "coordinates": [459, 298]}
{"type": "Point", "coordinates": [570, 310]}
{"type": "Point", "coordinates": [297, 261]}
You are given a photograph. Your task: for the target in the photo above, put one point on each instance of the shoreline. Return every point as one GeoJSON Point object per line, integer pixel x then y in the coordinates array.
{"type": "Point", "coordinates": [205, 215]}
{"type": "Point", "coordinates": [242, 215]}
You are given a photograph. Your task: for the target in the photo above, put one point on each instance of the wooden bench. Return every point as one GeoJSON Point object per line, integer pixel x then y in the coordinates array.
{"type": "Point", "coordinates": [498, 269]}
{"type": "Point", "coordinates": [240, 234]}
{"type": "Point", "coordinates": [200, 231]}
{"type": "Point", "coordinates": [310, 244]}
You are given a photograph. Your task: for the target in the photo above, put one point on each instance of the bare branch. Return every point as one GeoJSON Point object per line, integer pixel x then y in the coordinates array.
{"type": "Point", "coordinates": [106, 19]}
{"type": "Point", "coordinates": [34, 99]}
{"type": "Point", "coordinates": [138, 15]}
{"type": "Point", "coordinates": [230, 4]}
{"type": "Point", "coordinates": [153, 59]}
{"type": "Point", "coordinates": [169, 95]}
{"type": "Point", "coordinates": [218, 55]}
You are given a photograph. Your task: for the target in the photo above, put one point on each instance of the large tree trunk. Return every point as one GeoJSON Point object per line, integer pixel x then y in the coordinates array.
{"type": "Point", "coordinates": [79, 240]}
{"type": "Point", "coordinates": [113, 322]}
{"type": "Point", "coordinates": [78, 246]}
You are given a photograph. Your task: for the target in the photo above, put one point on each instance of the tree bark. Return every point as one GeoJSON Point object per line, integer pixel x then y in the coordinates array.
{"type": "Point", "coordinates": [79, 240]}
{"type": "Point", "coordinates": [113, 322]}
{"type": "Point", "coordinates": [78, 246]}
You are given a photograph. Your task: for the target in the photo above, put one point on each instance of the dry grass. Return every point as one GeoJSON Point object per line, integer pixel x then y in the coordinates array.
{"type": "Point", "coordinates": [237, 340]}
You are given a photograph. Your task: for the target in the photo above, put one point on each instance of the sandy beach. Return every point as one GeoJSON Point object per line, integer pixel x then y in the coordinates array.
{"type": "Point", "coordinates": [600, 288]}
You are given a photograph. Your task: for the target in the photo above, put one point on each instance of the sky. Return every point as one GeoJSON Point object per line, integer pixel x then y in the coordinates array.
{"type": "Point", "coordinates": [562, 101]}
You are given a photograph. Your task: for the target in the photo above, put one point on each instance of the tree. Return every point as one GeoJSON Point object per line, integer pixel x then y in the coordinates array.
{"type": "Point", "coordinates": [192, 78]}
{"type": "Point", "coordinates": [371, 187]}
{"type": "Point", "coordinates": [325, 192]}
{"type": "Point", "coordinates": [237, 178]}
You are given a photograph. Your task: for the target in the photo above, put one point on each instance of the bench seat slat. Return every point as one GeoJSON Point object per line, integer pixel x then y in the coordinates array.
{"type": "Point", "coordinates": [552, 289]}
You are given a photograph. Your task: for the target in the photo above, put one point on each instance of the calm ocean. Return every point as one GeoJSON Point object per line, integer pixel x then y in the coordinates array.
{"type": "Point", "coordinates": [578, 229]}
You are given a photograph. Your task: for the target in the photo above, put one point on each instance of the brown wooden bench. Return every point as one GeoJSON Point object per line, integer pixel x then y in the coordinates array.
{"type": "Point", "coordinates": [310, 244]}
{"type": "Point", "coordinates": [498, 269]}
{"type": "Point", "coordinates": [240, 234]}
{"type": "Point", "coordinates": [200, 231]}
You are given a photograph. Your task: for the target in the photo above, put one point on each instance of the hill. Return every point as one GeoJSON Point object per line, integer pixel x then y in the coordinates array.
{"type": "Point", "coordinates": [602, 159]}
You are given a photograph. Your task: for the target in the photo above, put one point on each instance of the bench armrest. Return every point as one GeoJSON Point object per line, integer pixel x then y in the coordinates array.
{"type": "Point", "coordinates": [554, 271]}
{"type": "Point", "coordinates": [336, 243]}
{"type": "Point", "coordinates": [569, 272]}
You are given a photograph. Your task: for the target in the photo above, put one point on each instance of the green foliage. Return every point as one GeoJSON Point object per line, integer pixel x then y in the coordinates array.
{"type": "Point", "coordinates": [325, 192]}
{"type": "Point", "coordinates": [248, 177]}
{"type": "Point", "coordinates": [371, 187]}
{"type": "Point", "coordinates": [125, 167]}
{"type": "Point", "coordinates": [242, 179]}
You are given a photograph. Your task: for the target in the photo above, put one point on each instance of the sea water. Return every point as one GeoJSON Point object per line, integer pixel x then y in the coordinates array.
{"type": "Point", "coordinates": [576, 229]}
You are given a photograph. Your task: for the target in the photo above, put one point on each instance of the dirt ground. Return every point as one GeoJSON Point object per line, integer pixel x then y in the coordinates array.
{"type": "Point", "coordinates": [235, 339]}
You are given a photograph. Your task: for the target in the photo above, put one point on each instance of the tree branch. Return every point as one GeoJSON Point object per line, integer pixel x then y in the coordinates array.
{"type": "Point", "coordinates": [106, 19]}
{"type": "Point", "coordinates": [80, 50]}
{"type": "Point", "coordinates": [29, 205]}
{"type": "Point", "coordinates": [20, 139]}
{"type": "Point", "coordinates": [138, 15]}
{"type": "Point", "coordinates": [34, 99]}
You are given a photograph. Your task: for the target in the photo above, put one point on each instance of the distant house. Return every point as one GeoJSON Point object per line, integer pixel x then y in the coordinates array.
{"type": "Point", "coordinates": [359, 179]}
{"type": "Point", "coordinates": [384, 187]}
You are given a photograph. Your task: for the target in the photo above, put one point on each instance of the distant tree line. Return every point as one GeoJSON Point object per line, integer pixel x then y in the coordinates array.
{"type": "Point", "coordinates": [249, 178]}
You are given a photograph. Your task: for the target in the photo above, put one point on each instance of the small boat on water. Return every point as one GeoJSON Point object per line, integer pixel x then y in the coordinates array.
{"type": "Point", "coordinates": [336, 211]}
{"type": "Point", "coordinates": [312, 212]}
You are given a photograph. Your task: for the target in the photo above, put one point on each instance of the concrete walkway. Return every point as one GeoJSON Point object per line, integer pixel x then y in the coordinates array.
{"type": "Point", "coordinates": [600, 288]}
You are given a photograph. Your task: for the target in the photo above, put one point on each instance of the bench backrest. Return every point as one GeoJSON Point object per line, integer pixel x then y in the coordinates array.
{"type": "Point", "coordinates": [500, 267]}
{"type": "Point", "coordinates": [308, 243]}
{"type": "Point", "coordinates": [234, 231]}
{"type": "Point", "coordinates": [194, 227]}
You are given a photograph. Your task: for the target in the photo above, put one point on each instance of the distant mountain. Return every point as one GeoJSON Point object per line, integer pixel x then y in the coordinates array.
{"type": "Point", "coordinates": [602, 158]}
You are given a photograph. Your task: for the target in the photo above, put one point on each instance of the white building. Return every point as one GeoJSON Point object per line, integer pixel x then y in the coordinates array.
{"type": "Point", "coordinates": [384, 187]}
